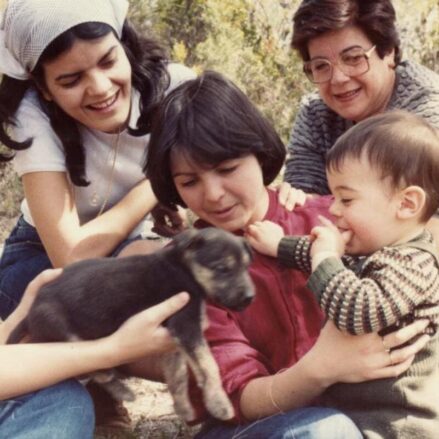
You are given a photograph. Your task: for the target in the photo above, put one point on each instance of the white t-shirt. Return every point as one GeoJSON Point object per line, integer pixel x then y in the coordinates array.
{"type": "Point", "coordinates": [46, 154]}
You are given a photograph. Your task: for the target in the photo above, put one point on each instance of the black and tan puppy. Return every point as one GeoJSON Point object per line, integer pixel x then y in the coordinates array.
{"type": "Point", "coordinates": [92, 298]}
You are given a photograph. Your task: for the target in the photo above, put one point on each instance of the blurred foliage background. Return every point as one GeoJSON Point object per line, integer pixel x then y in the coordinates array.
{"type": "Point", "coordinates": [249, 41]}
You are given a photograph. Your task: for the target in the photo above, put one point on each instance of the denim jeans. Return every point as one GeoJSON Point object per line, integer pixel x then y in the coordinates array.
{"type": "Point", "coordinates": [305, 423]}
{"type": "Point", "coordinates": [62, 411]}
{"type": "Point", "coordinates": [23, 258]}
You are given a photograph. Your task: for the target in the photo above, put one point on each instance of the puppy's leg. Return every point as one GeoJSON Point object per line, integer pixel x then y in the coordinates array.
{"type": "Point", "coordinates": [208, 379]}
{"type": "Point", "coordinates": [110, 381]}
{"type": "Point", "coordinates": [175, 371]}
{"type": "Point", "coordinates": [186, 328]}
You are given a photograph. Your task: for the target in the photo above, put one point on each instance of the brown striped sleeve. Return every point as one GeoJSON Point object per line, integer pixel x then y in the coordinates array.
{"type": "Point", "coordinates": [393, 282]}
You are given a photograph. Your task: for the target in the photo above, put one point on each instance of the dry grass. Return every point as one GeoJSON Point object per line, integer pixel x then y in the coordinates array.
{"type": "Point", "coordinates": [152, 414]}
{"type": "Point", "coordinates": [11, 195]}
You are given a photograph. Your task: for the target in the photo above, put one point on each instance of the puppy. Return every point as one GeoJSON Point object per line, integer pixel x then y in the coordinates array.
{"type": "Point", "coordinates": [92, 298]}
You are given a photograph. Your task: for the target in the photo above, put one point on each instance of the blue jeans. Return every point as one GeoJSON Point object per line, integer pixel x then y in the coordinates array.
{"type": "Point", "coordinates": [62, 411]}
{"type": "Point", "coordinates": [305, 423]}
{"type": "Point", "coordinates": [23, 258]}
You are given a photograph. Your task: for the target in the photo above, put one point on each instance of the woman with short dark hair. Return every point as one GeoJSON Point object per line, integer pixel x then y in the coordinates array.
{"type": "Point", "coordinates": [351, 52]}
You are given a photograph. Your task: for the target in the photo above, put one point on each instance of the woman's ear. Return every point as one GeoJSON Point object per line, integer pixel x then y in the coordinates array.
{"type": "Point", "coordinates": [389, 58]}
{"type": "Point", "coordinates": [412, 202]}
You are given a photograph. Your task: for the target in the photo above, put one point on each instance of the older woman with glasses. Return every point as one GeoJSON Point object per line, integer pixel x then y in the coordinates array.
{"type": "Point", "coordinates": [351, 51]}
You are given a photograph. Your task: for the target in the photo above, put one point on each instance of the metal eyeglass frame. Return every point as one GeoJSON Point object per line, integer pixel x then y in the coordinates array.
{"type": "Point", "coordinates": [366, 55]}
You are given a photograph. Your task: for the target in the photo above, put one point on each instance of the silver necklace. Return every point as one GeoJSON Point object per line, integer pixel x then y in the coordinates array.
{"type": "Point", "coordinates": [95, 197]}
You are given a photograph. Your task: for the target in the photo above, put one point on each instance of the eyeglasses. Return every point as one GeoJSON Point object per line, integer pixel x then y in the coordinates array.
{"type": "Point", "coordinates": [352, 62]}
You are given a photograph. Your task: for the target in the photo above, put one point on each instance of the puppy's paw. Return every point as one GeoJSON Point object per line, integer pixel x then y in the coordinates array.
{"type": "Point", "coordinates": [119, 391]}
{"type": "Point", "coordinates": [219, 406]}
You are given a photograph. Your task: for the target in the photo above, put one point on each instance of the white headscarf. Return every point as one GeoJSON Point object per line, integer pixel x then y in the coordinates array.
{"type": "Point", "coordinates": [27, 27]}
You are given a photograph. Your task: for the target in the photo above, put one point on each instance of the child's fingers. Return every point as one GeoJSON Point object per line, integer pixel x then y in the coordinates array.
{"type": "Point", "coordinates": [252, 231]}
{"type": "Point", "coordinates": [346, 236]}
{"type": "Point", "coordinates": [317, 231]}
{"type": "Point", "coordinates": [326, 222]}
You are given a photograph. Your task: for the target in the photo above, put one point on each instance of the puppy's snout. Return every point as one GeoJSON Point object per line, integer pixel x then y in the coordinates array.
{"type": "Point", "coordinates": [244, 300]}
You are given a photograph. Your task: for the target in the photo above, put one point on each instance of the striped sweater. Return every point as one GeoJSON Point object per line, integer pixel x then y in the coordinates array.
{"type": "Point", "coordinates": [317, 127]}
{"type": "Point", "coordinates": [362, 295]}
{"type": "Point", "coordinates": [380, 293]}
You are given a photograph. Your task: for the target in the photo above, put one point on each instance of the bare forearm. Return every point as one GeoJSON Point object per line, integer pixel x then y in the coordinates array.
{"type": "Point", "coordinates": [293, 388]}
{"type": "Point", "coordinates": [101, 235]}
{"type": "Point", "coordinates": [28, 367]}
{"type": "Point", "coordinates": [56, 218]}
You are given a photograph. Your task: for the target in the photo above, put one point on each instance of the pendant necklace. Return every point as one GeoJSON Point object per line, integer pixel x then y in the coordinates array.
{"type": "Point", "coordinates": [95, 197]}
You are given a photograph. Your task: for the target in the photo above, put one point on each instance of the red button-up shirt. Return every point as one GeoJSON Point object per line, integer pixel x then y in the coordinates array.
{"type": "Point", "coordinates": [282, 322]}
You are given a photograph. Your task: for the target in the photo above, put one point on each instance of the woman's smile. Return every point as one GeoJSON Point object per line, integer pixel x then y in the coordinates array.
{"type": "Point", "coordinates": [348, 95]}
{"type": "Point", "coordinates": [104, 105]}
{"type": "Point", "coordinates": [91, 82]}
{"type": "Point", "coordinates": [354, 97]}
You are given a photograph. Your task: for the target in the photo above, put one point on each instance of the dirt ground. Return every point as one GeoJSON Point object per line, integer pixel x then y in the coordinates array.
{"type": "Point", "coordinates": [152, 414]}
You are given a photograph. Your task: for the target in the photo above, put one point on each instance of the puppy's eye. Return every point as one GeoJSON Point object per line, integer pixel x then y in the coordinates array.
{"type": "Point", "coordinates": [222, 268]}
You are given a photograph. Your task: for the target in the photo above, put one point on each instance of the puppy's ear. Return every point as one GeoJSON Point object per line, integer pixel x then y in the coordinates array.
{"type": "Point", "coordinates": [189, 238]}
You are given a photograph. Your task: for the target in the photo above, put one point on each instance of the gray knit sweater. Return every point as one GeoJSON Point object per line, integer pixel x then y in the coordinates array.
{"type": "Point", "coordinates": [382, 292]}
{"type": "Point", "coordinates": [317, 128]}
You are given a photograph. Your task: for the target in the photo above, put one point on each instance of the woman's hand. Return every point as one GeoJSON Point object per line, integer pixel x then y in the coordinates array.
{"type": "Point", "coordinates": [28, 298]}
{"type": "Point", "coordinates": [290, 197]}
{"type": "Point", "coordinates": [143, 334]}
{"type": "Point", "coordinates": [167, 221]}
{"type": "Point", "coordinates": [341, 357]}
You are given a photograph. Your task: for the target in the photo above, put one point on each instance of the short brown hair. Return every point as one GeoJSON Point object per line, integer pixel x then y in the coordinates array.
{"type": "Point", "coordinates": [376, 18]}
{"type": "Point", "coordinates": [401, 145]}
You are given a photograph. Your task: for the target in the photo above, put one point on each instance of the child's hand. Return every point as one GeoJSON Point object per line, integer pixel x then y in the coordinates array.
{"type": "Point", "coordinates": [264, 237]}
{"type": "Point", "coordinates": [327, 241]}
